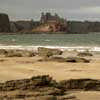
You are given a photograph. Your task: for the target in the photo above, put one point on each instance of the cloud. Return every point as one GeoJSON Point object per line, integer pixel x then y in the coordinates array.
{"type": "Point", "coordinates": [86, 10]}
{"type": "Point", "coordinates": [72, 9]}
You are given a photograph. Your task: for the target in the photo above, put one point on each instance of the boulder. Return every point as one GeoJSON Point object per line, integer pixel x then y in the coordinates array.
{"type": "Point", "coordinates": [77, 59]}
{"type": "Point", "coordinates": [47, 52]}
{"type": "Point", "coordinates": [4, 23]}
{"type": "Point", "coordinates": [83, 54]}
{"type": "Point", "coordinates": [29, 84]}
{"type": "Point", "coordinates": [83, 84]}
{"type": "Point", "coordinates": [57, 58]}
{"type": "Point", "coordinates": [60, 58]}
{"type": "Point", "coordinates": [45, 88]}
{"type": "Point", "coordinates": [16, 53]}
{"type": "Point", "coordinates": [67, 53]}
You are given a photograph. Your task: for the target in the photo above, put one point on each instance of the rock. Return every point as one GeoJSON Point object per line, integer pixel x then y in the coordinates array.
{"type": "Point", "coordinates": [4, 23]}
{"type": "Point", "coordinates": [45, 88]}
{"type": "Point", "coordinates": [83, 54]}
{"type": "Point", "coordinates": [77, 59]}
{"type": "Point", "coordinates": [92, 85]}
{"type": "Point", "coordinates": [67, 97]}
{"type": "Point", "coordinates": [49, 97]}
{"type": "Point", "coordinates": [47, 52]}
{"type": "Point", "coordinates": [57, 58]}
{"type": "Point", "coordinates": [16, 53]}
{"type": "Point", "coordinates": [3, 52]}
{"type": "Point", "coordinates": [67, 53]}
{"type": "Point", "coordinates": [83, 84]}
{"type": "Point", "coordinates": [28, 84]}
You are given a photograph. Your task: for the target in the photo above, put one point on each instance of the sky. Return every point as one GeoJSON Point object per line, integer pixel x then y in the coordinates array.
{"type": "Point", "coordinates": [68, 9]}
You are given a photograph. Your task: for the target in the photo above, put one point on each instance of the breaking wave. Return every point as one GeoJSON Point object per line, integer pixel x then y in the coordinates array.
{"type": "Point", "coordinates": [78, 48]}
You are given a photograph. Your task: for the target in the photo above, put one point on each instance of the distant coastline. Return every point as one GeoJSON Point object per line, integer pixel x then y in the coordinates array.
{"type": "Point", "coordinates": [48, 24]}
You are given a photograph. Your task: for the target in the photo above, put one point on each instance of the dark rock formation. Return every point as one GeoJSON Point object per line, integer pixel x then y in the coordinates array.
{"type": "Point", "coordinates": [4, 23]}
{"type": "Point", "coordinates": [56, 58]}
{"type": "Point", "coordinates": [83, 54]}
{"type": "Point", "coordinates": [83, 84]}
{"type": "Point", "coordinates": [77, 59]}
{"type": "Point", "coordinates": [36, 88]}
{"type": "Point", "coordinates": [16, 53]}
{"type": "Point", "coordinates": [45, 88]}
{"type": "Point", "coordinates": [60, 58]}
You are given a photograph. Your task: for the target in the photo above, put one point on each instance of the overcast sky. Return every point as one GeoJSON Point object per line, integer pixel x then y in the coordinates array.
{"type": "Point", "coordinates": [70, 9]}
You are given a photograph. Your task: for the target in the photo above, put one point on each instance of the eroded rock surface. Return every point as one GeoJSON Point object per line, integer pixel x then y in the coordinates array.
{"type": "Point", "coordinates": [47, 52]}
{"type": "Point", "coordinates": [16, 53]}
{"type": "Point", "coordinates": [45, 88]}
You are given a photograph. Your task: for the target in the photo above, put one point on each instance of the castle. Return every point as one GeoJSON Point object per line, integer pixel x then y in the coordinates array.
{"type": "Point", "coordinates": [52, 23]}
{"type": "Point", "coordinates": [48, 18]}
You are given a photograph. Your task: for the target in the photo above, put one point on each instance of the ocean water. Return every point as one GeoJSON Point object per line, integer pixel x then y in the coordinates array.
{"type": "Point", "coordinates": [64, 41]}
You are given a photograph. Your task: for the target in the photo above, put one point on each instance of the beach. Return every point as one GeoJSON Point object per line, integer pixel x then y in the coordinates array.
{"type": "Point", "coordinates": [15, 68]}
{"type": "Point", "coordinates": [25, 67]}
{"type": "Point", "coordinates": [19, 65]}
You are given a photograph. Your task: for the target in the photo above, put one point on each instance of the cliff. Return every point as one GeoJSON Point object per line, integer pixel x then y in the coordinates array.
{"type": "Point", "coordinates": [4, 23]}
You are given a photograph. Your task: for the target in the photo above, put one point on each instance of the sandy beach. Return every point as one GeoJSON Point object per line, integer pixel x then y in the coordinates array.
{"type": "Point", "coordinates": [24, 67]}
{"type": "Point", "coordinates": [14, 68]}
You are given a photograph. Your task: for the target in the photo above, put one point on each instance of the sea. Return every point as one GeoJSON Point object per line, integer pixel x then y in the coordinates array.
{"type": "Point", "coordinates": [79, 42]}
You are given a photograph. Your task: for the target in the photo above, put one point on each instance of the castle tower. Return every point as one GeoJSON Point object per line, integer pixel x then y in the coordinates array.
{"type": "Point", "coordinates": [42, 18]}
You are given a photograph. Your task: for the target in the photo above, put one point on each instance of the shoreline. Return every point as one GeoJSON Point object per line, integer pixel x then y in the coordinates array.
{"type": "Point", "coordinates": [63, 48]}
{"type": "Point", "coordinates": [20, 33]}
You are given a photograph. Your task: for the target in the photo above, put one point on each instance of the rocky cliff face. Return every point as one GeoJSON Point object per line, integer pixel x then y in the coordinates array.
{"type": "Point", "coordinates": [4, 23]}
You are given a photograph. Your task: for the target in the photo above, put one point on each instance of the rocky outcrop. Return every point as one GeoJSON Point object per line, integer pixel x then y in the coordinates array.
{"type": "Point", "coordinates": [47, 52]}
{"type": "Point", "coordinates": [83, 84]}
{"type": "Point", "coordinates": [35, 88]}
{"type": "Point", "coordinates": [16, 53]}
{"type": "Point", "coordinates": [58, 58]}
{"type": "Point", "coordinates": [4, 23]}
{"type": "Point", "coordinates": [77, 60]}
{"type": "Point", "coordinates": [45, 88]}
{"type": "Point", "coordinates": [84, 54]}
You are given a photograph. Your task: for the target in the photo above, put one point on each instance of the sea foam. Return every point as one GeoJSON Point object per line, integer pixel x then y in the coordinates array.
{"type": "Point", "coordinates": [78, 48]}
